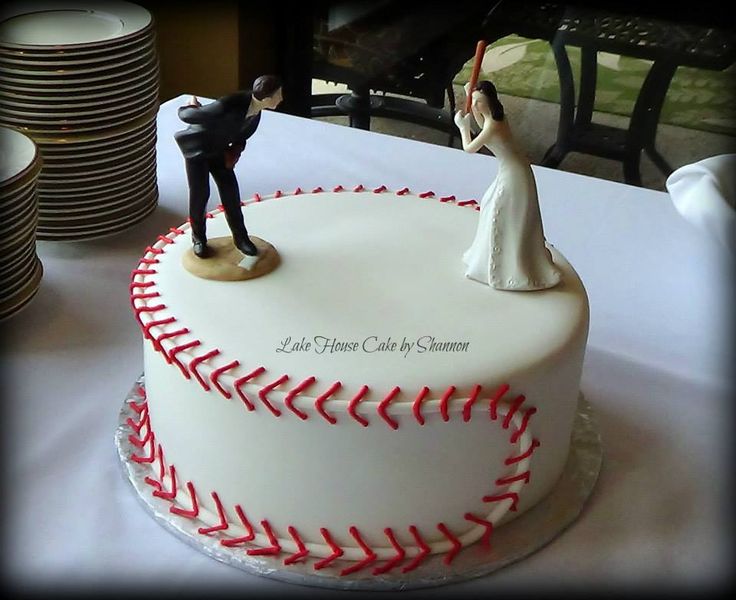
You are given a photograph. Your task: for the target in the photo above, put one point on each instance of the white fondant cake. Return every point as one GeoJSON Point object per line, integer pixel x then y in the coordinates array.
{"type": "Point", "coordinates": [364, 405]}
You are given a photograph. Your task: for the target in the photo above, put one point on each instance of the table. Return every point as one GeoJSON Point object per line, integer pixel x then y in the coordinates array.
{"type": "Point", "coordinates": [668, 40]}
{"type": "Point", "coordinates": [655, 372]}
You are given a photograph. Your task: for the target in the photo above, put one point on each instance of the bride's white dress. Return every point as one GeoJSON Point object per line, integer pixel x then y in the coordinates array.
{"type": "Point", "coordinates": [509, 251]}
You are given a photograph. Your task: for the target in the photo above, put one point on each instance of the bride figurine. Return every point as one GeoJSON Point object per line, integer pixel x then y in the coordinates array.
{"type": "Point", "coordinates": [509, 251]}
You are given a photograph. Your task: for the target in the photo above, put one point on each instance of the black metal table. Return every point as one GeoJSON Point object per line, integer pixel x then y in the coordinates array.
{"type": "Point", "coordinates": [668, 44]}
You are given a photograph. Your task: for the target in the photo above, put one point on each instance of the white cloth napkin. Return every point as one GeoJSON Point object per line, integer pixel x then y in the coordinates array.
{"type": "Point", "coordinates": [704, 193]}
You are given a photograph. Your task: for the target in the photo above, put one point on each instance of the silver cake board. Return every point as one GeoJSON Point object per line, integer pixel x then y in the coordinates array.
{"type": "Point", "coordinates": [510, 543]}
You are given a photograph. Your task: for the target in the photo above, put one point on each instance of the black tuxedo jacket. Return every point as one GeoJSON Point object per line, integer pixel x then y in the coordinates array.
{"type": "Point", "coordinates": [215, 127]}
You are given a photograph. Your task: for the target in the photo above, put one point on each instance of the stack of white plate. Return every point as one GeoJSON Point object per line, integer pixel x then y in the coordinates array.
{"type": "Point", "coordinates": [20, 269]}
{"type": "Point", "coordinates": [81, 79]}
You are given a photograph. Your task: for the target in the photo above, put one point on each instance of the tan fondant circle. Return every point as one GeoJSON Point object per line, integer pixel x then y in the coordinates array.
{"type": "Point", "coordinates": [222, 264]}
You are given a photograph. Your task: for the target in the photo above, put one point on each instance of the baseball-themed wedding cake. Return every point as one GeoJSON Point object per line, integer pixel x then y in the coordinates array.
{"type": "Point", "coordinates": [365, 405]}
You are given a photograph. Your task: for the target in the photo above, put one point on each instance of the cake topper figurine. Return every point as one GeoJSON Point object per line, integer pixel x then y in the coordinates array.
{"type": "Point", "coordinates": [508, 251]}
{"type": "Point", "coordinates": [211, 145]}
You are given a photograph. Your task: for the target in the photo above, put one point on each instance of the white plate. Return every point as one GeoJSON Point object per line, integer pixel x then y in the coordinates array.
{"type": "Point", "coordinates": [106, 77]}
{"type": "Point", "coordinates": [24, 60]}
{"type": "Point", "coordinates": [70, 128]}
{"type": "Point", "coordinates": [65, 102]}
{"type": "Point", "coordinates": [73, 177]}
{"type": "Point", "coordinates": [19, 254]}
{"type": "Point", "coordinates": [26, 273]}
{"type": "Point", "coordinates": [62, 191]}
{"type": "Point", "coordinates": [18, 153]}
{"type": "Point", "coordinates": [75, 94]}
{"type": "Point", "coordinates": [62, 148]}
{"type": "Point", "coordinates": [98, 231]}
{"type": "Point", "coordinates": [42, 115]}
{"type": "Point", "coordinates": [101, 161]}
{"type": "Point", "coordinates": [70, 24]}
{"type": "Point", "coordinates": [13, 208]}
{"type": "Point", "coordinates": [95, 197]}
{"type": "Point", "coordinates": [16, 194]}
{"type": "Point", "coordinates": [12, 306]}
{"type": "Point", "coordinates": [56, 210]}
{"type": "Point", "coordinates": [96, 215]}
{"type": "Point", "coordinates": [64, 72]}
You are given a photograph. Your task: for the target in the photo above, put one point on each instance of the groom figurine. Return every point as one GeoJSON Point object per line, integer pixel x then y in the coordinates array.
{"type": "Point", "coordinates": [211, 145]}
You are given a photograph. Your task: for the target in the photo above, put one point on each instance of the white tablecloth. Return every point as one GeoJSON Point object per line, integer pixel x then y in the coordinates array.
{"type": "Point", "coordinates": [655, 372]}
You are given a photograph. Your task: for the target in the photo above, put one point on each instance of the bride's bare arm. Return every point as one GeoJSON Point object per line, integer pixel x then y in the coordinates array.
{"type": "Point", "coordinates": [473, 145]}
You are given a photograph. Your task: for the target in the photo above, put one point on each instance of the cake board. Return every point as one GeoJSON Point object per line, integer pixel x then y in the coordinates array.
{"type": "Point", "coordinates": [512, 542]}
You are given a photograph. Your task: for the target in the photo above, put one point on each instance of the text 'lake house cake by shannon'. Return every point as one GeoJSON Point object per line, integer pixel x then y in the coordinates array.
{"type": "Point", "coordinates": [365, 405]}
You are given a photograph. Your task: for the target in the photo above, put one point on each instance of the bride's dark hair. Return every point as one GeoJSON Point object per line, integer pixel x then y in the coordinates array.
{"type": "Point", "coordinates": [489, 91]}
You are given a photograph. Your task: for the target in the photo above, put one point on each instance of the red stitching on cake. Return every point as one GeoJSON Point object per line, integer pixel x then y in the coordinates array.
{"type": "Point", "coordinates": [176, 349]}
{"type": "Point", "coordinates": [298, 191]}
{"type": "Point", "coordinates": [274, 548]}
{"type": "Point", "coordinates": [223, 524]}
{"type": "Point", "coordinates": [527, 453]}
{"type": "Point", "coordinates": [138, 407]}
{"type": "Point", "coordinates": [140, 284]}
{"type": "Point", "coordinates": [264, 391]}
{"type": "Point", "coordinates": [383, 405]}
{"type": "Point", "coordinates": [512, 409]}
{"type": "Point", "coordinates": [423, 550]}
{"type": "Point", "coordinates": [154, 250]}
{"type": "Point", "coordinates": [338, 188]}
{"type": "Point", "coordinates": [427, 194]}
{"type": "Point", "coordinates": [524, 423]}
{"type": "Point", "coordinates": [486, 539]}
{"type": "Point", "coordinates": [336, 550]}
{"type": "Point", "coordinates": [317, 190]}
{"type": "Point", "coordinates": [322, 398]}
{"type": "Point", "coordinates": [289, 400]}
{"type": "Point", "coordinates": [171, 494]}
{"type": "Point", "coordinates": [156, 323]}
{"type": "Point", "coordinates": [143, 272]}
{"type": "Point", "coordinates": [167, 335]}
{"type": "Point", "coordinates": [468, 406]}
{"type": "Point", "coordinates": [520, 477]}
{"type": "Point", "coordinates": [467, 202]}
{"type": "Point", "coordinates": [353, 404]}
{"type": "Point", "coordinates": [456, 545]}
{"type": "Point", "coordinates": [370, 556]}
{"type": "Point", "coordinates": [379, 189]}
{"type": "Point", "coordinates": [257, 197]}
{"type": "Point", "coordinates": [301, 552]}
{"type": "Point", "coordinates": [196, 361]}
{"type": "Point", "coordinates": [145, 296]}
{"type": "Point", "coordinates": [402, 191]}
{"type": "Point", "coordinates": [278, 194]}
{"type": "Point", "coordinates": [176, 230]}
{"type": "Point", "coordinates": [208, 215]}
{"type": "Point", "coordinates": [150, 309]}
{"type": "Point", "coordinates": [394, 561]}
{"type": "Point", "coordinates": [139, 443]}
{"type": "Point", "coordinates": [139, 425]}
{"type": "Point", "coordinates": [215, 377]}
{"type": "Point", "coordinates": [513, 496]}
{"type": "Point", "coordinates": [250, 534]}
{"type": "Point", "coordinates": [444, 401]}
{"type": "Point", "coordinates": [146, 459]}
{"type": "Point", "coordinates": [447, 198]}
{"type": "Point", "coordinates": [358, 188]}
{"type": "Point", "coordinates": [149, 261]}
{"type": "Point", "coordinates": [416, 406]}
{"type": "Point", "coordinates": [239, 382]}
{"type": "Point", "coordinates": [161, 465]}
{"type": "Point", "coordinates": [498, 394]}
{"type": "Point", "coordinates": [194, 511]}
{"type": "Point", "coordinates": [165, 239]}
